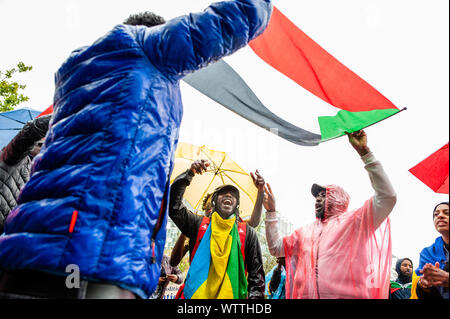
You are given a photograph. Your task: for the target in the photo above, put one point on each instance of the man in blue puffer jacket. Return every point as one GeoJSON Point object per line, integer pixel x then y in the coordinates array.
{"type": "Point", "coordinates": [96, 202]}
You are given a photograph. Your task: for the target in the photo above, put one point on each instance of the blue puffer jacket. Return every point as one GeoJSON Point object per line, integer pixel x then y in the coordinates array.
{"type": "Point", "coordinates": [109, 151]}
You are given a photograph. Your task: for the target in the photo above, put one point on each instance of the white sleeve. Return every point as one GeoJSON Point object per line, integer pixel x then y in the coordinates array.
{"type": "Point", "coordinates": [385, 197]}
{"type": "Point", "coordinates": [274, 239]}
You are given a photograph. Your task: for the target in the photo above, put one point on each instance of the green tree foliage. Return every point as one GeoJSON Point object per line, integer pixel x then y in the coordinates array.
{"type": "Point", "coordinates": [9, 89]}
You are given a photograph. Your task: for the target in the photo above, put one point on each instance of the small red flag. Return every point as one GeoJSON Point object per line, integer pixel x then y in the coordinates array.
{"type": "Point", "coordinates": [47, 111]}
{"type": "Point", "coordinates": [433, 171]}
{"type": "Point", "coordinates": [290, 51]}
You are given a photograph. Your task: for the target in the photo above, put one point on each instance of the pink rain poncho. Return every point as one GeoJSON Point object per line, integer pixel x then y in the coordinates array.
{"type": "Point", "coordinates": [341, 256]}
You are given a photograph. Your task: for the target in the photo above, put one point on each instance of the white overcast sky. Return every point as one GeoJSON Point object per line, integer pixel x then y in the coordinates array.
{"type": "Point", "coordinates": [401, 47]}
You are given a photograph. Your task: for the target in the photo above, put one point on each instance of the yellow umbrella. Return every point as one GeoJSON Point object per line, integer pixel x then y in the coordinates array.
{"type": "Point", "coordinates": [222, 170]}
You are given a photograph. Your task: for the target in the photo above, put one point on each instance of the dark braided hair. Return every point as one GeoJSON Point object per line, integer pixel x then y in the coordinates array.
{"type": "Point", "coordinates": [148, 19]}
{"type": "Point", "coordinates": [206, 199]}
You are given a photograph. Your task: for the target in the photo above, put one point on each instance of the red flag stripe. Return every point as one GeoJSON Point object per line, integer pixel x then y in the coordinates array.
{"type": "Point", "coordinates": [290, 51]}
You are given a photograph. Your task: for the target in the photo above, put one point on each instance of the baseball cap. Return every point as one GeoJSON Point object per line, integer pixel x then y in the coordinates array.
{"type": "Point", "coordinates": [316, 189]}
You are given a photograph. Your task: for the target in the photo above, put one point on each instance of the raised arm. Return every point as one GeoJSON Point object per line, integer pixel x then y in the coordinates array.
{"type": "Point", "coordinates": [192, 41]}
{"type": "Point", "coordinates": [274, 239]}
{"type": "Point", "coordinates": [24, 141]}
{"type": "Point", "coordinates": [385, 197]}
{"type": "Point", "coordinates": [259, 182]}
{"type": "Point", "coordinates": [178, 212]}
{"type": "Point", "coordinates": [178, 251]}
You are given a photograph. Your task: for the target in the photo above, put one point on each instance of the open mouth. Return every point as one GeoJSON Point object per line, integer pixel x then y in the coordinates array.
{"type": "Point", "coordinates": [227, 202]}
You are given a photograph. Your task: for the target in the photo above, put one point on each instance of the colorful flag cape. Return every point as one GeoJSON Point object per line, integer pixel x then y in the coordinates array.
{"type": "Point", "coordinates": [289, 50]}
{"type": "Point", "coordinates": [217, 270]}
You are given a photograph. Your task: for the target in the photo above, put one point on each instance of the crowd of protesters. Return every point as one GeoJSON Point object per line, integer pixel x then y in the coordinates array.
{"type": "Point", "coordinates": [98, 195]}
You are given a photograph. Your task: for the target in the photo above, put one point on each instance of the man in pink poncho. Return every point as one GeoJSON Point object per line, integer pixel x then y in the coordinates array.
{"type": "Point", "coordinates": [343, 254]}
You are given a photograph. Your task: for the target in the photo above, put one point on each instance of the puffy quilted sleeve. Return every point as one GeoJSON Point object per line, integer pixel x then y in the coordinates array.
{"type": "Point", "coordinates": [189, 42]}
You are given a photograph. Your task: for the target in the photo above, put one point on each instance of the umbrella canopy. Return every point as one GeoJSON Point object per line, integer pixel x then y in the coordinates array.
{"type": "Point", "coordinates": [433, 171]}
{"type": "Point", "coordinates": [223, 170]}
{"type": "Point", "coordinates": [12, 122]}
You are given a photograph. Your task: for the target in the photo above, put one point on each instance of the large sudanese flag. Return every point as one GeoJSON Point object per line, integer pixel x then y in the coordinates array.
{"type": "Point", "coordinates": [354, 103]}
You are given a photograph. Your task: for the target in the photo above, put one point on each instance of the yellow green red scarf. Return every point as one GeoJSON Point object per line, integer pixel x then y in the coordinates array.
{"type": "Point", "coordinates": [217, 270]}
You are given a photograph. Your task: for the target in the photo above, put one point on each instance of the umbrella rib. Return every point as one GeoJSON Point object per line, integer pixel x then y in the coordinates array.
{"type": "Point", "coordinates": [186, 158]}
{"type": "Point", "coordinates": [239, 187]}
{"type": "Point", "coordinates": [221, 171]}
{"type": "Point", "coordinates": [217, 168]}
{"type": "Point", "coordinates": [221, 177]}
{"type": "Point", "coordinates": [204, 192]}
{"type": "Point", "coordinates": [233, 171]}
{"type": "Point", "coordinates": [216, 171]}
{"type": "Point", "coordinates": [7, 117]}
{"type": "Point", "coordinates": [182, 157]}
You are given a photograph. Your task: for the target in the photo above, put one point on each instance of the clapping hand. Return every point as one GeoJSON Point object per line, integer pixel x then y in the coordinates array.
{"type": "Point", "coordinates": [435, 276]}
